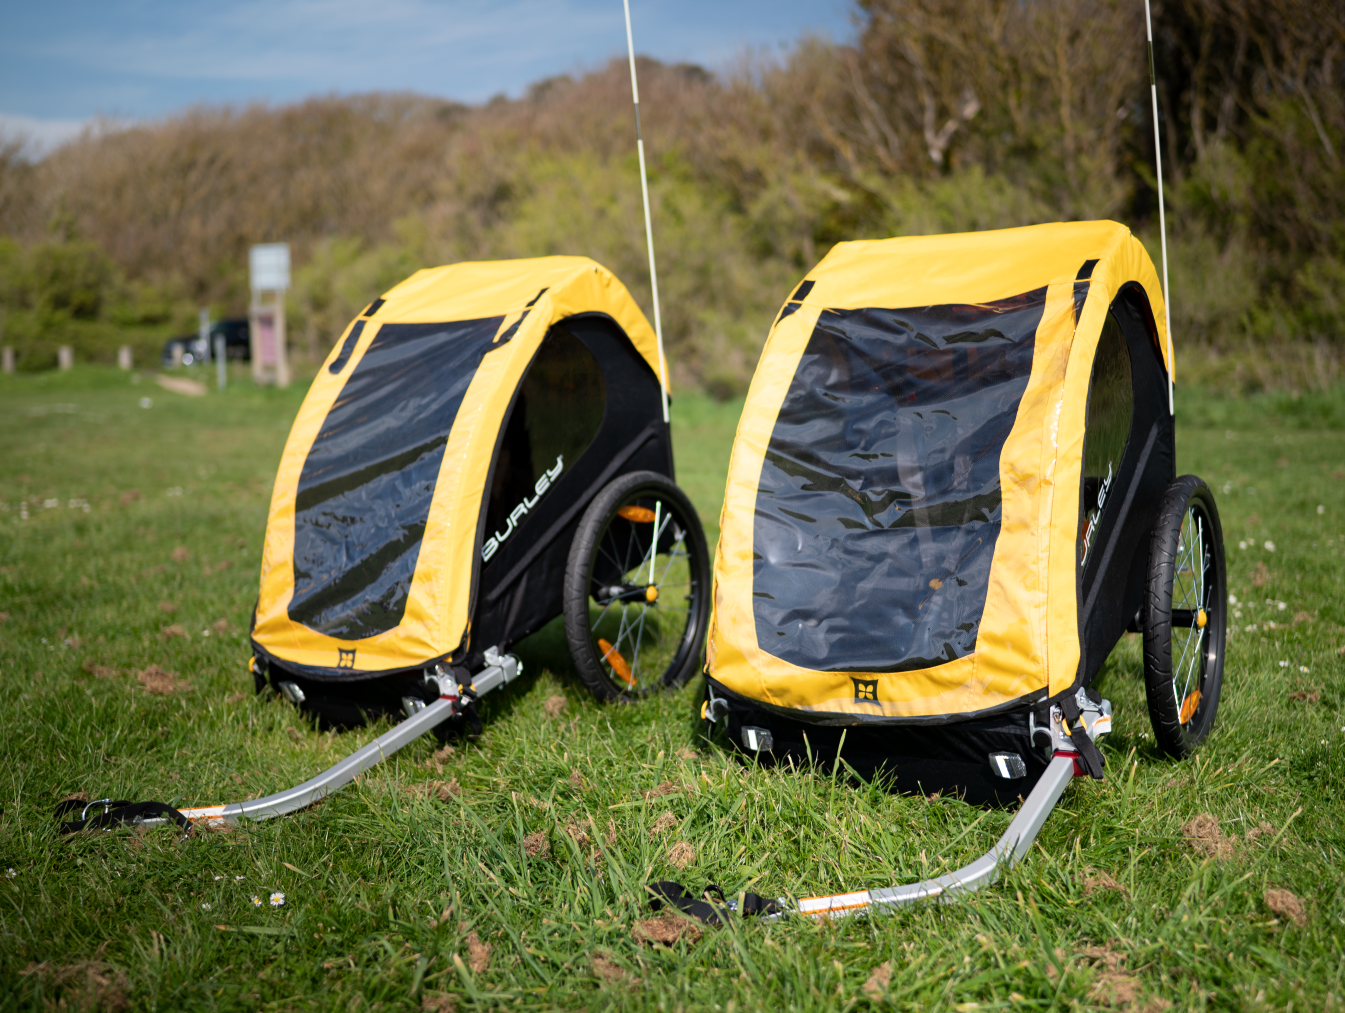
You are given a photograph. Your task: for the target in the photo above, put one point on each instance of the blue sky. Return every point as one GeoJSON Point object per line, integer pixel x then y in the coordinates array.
{"type": "Point", "coordinates": [65, 63]}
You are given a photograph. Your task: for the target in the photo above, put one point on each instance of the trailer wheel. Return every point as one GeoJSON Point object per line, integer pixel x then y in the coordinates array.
{"type": "Point", "coordinates": [1185, 616]}
{"type": "Point", "coordinates": [636, 602]}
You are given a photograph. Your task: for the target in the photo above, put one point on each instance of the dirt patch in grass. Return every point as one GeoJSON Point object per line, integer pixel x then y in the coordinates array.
{"type": "Point", "coordinates": [98, 671]}
{"type": "Point", "coordinates": [87, 985]}
{"type": "Point", "coordinates": [1097, 880]}
{"type": "Point", "coordinates": [167, 606]}
{"type": "Point", "coordinates": [666, 929]}
{"type": "Point", "coordinates": [442, 790]}
{"type": "Point", "coordinates": [538, 845]}
{"type": "Point", "coordinates": [478, 953]}
{"type": "Point", "coordinates": [1288, 905]}
{"type": "Point", "coordinates": [878, 981]}
{"type": "Point", "coordinates": [175, 630]}
{"type": "Point", "coordinates": [439, 1002]}
{"type": "Point", "coordinates": [664, 823]}
{"type": "Point", "coordinates": [181, 385]}
{"type": "Point", "coordinates": [1115, 987]}
{"type": "Point", "coordinates": [664, 788]}
{"type": "Point", "coordinates": [1205, 838]}
{"type": "Point", "coordinates": [439, 758]}
{"type": "Point", "coordinates": [681, 855]}
{"type": "Point", "coordinates": [579, 832]}
{"type": "Point", "coordinates": [1262, 829]}
{"type": "Point", "coordinates": [607, 970]}
{"type": "Point", "coordinates": [160, 681]}
{"type": "Point", "coordinates": [555, 706]}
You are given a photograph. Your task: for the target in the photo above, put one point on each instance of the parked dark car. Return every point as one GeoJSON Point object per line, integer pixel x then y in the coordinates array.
{"type": "Point", "coordinates": [237, 346]}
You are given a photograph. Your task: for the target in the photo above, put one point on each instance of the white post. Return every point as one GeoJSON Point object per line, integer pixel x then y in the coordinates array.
{"type": "Point", "coordinates": [7, 360]}
{"type": "Point", "coordinates": [65, 357]}
{"type": "Point", "coordinates": [124, 357]}
{"type": "Point", "coordinates": [648, 223]}
{"type": "Point", "coordinates": [1162, 221]}
{"type": "Point", "coordinates": [221, 363]}
{"type": "Point", "coordinates": [203, 331]}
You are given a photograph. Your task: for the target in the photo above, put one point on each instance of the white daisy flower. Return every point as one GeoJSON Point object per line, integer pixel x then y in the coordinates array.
{"type": "Point", "coordinates": [256, 901]}
{"type": "Point", "coordinates": [238, 879]}
{"type": "Point", "coordinates": [1284, 664]}
{"type": "Point", "coordinates": [1303, 668]}
{"type": "Point", "coordinates": [205, 905]}
{"type": "Point", "coordinates": [218, 878]}
{"type": "Point", "coordinates": [1270, 546]}
{"type": "Point", "coordinates": [277, 899]}
{"type": "Point", "coordinates": [10, 873]}
{"type": "Point", "coordinates": [1242, 544]}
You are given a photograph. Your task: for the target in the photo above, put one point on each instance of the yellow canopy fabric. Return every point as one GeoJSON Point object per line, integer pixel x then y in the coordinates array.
{"type": "Point", "coordinates": [517, 301]}
{"type": "Point", "coordinates": [1028, 638]}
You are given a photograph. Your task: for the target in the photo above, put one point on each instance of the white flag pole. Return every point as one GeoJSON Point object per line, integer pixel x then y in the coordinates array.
{"type": "Point", "coordinates": [648, 223]}
{"type": "Point", "coordinates": [1162, 221]}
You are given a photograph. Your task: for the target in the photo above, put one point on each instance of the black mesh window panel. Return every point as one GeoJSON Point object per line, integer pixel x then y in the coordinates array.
{"type": "Point", "coordinates": [364, 494]}
{"type": "Point", "coordinates": [879, 502]}
{"type": "Point", "coordinates": [1111, 405]}
{"type": "Point", "coordinates": [557, 413]}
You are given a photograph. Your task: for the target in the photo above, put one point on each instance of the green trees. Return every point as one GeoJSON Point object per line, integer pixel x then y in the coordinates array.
{"type": "Point", "coordinates": [939, 115]}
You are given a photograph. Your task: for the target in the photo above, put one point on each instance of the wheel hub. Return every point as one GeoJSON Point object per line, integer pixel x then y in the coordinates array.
{"type": "Point", "coordinates": [647, 593]}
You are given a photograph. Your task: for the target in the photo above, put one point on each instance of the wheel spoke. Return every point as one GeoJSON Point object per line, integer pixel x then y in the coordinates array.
{"type": "Point", "coordinates": [1193, 559]}
{"type": "Point", "coordinates": [648, 633]}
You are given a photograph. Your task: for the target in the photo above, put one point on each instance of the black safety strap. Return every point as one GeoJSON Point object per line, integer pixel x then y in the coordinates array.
{"type": "Point", "coordinates": [707, 911]}
{"type": "Point", "coordinates": [122, 812]}
{"type": "Point", "coordinates": [1089, 754]}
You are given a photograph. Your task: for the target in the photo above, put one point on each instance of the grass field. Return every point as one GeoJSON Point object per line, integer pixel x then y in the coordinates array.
{"type": "Point", "coordinates": [131, 536]}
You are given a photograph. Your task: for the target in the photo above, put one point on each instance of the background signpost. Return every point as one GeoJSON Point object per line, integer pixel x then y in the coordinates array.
{"type": "Point", "coordinates": [269, 272]}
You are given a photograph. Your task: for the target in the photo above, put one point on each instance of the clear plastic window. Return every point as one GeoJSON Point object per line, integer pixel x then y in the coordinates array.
{"type": "Point", "coordinates": [367, 483]}
{"type": "Point", "coordinates": [878, 504]}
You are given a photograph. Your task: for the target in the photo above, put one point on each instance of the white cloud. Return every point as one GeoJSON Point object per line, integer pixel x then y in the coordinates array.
{"type": "Point", "coordinates": [41, 136]}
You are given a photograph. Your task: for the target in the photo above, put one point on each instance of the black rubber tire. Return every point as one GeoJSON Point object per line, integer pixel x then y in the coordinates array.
{"type": "Point", "coordinates": [1195, 575]}
{"type": "Point", "coordinates": [607, 543]}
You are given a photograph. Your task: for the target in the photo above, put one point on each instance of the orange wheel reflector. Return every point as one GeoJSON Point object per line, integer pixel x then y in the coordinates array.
{"type": "Point", "coordinates": [1202, 617]}
{"type": "Point", "coordinates": [651, 594]}
{"type": "Point", "coordinates": [1189, 706]}
{"type": "Point", "coordinates": [637, 514]}
{"type": "Point", "coordinates": [613, 657]}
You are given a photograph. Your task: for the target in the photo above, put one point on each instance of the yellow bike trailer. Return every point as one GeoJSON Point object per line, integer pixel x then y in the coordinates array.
{"type": "Point", "coordinates": [951, 492]}
{"type": "Point", "coordinates": [486, 448]}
